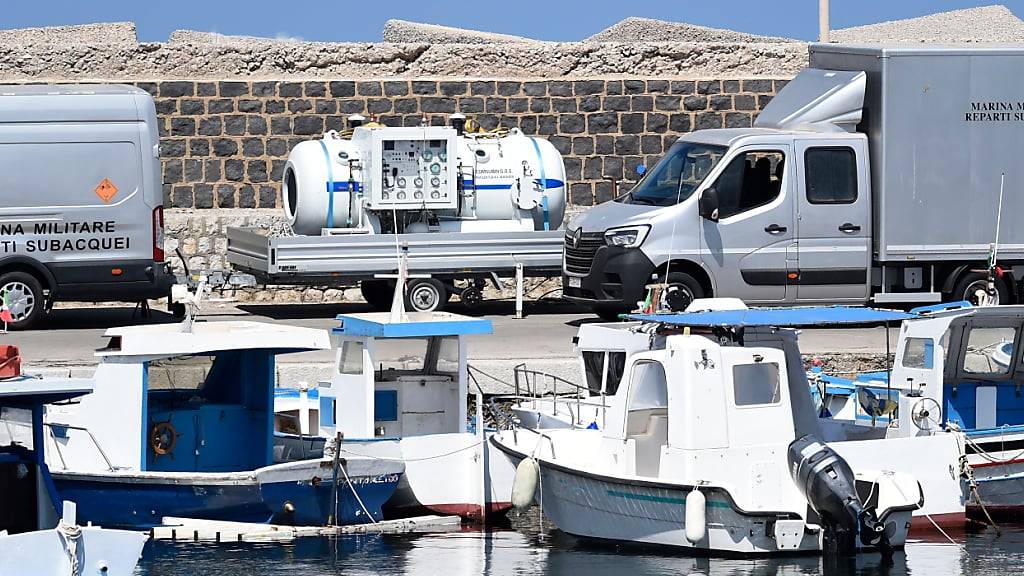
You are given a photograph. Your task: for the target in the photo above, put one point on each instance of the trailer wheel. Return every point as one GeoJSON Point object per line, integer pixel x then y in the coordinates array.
{"type": "Point", "coordinates": [426, 295]}
{"type": "Point", "coordinates": [969, 284]}
{"type": "Point", "coordinates": [377, 293]}
{"type": "Point", "coordinates": [22, 293]}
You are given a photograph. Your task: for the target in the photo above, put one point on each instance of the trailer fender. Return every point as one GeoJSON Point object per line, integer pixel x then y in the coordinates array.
{"type": "Point", "coordinates": [952, 277]}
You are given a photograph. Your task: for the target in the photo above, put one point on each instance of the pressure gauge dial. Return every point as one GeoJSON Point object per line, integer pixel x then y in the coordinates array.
{"type": "Point", "coordinates": [435, 168]}
{"type": "Point", "coordinates": [428, 155]}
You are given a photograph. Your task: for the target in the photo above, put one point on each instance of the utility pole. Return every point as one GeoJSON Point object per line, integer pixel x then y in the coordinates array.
{"type": "Point", "coordinates": [823, 24]}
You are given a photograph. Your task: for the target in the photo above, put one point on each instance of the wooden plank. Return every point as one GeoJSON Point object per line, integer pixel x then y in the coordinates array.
{"type": "Point", "coordinates": [198, 530]}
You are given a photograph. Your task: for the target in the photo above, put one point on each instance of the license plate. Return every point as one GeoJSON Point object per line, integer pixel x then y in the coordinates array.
{"type": "Point", "coordinates": [575, 282]}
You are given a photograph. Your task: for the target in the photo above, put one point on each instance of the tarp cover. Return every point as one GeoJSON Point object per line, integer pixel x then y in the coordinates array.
{"type": "Point", "coordinates": [779, 317]}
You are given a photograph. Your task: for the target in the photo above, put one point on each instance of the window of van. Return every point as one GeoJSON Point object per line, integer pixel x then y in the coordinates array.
{"type": "Point", "coordinates": [676, 176]}
{"type": "Point", "coordinates": [831, 175]}
{"type": "Point", "coordinates": [751, 179]}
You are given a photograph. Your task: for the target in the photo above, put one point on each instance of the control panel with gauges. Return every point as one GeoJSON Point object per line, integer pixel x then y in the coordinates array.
{"type": "Point", "coordinates": [408, 168]}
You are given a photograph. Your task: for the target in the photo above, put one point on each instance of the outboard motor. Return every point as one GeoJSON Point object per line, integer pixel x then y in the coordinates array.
{"type": "Point", "coordinates": [828, 483]}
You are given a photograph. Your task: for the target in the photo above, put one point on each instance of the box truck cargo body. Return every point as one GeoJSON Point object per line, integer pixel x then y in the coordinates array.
{"type": "Point", "coordinates": [874, 175]}
{"type": "Point", "coordinates": [81, 214]}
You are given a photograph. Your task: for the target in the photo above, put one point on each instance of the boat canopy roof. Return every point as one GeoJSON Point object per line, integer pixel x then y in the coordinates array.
{"type": "Point", "coordinates": [418, 324]}
{"type": "Point", "coordinates": [169, 340]}
{"type": "Point", "coordinates": [25, 391]}
{"type": "Point", "coordinates": [778, 317]}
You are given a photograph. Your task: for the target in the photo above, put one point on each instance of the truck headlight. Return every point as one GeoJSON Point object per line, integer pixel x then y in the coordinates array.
{"type": "Point", "coordinates": [627, 236]}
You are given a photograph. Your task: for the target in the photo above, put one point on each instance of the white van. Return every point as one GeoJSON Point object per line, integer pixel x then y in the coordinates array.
{"type": "Point", "coordinates": [81, 204]}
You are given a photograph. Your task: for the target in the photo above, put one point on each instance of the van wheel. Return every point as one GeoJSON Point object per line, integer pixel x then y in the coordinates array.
{"type": "Point", "coordinates": [426, 295]}
{"type": "Point", "coordinates": [682, 290]}
{"type": "Point", "coordinates": [22, 295]}
{"type": "Point", "coordinates": [377, 293]}
{"type": "Point", "coordinates": [969, 284]}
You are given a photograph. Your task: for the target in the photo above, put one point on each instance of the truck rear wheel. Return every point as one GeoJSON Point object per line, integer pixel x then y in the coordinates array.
{"type": "Point", "coordinates": [969, 284]}
{"type": "Point", "coordinates": [426, 295]}
{"type": "Point", "coordinates": [377, 293]}
{"type": "Point", "coordinates": [22, 295]}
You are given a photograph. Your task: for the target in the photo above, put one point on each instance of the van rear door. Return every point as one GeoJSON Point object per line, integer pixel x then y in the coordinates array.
{"type": "Point", "coordinates": [833, 219]}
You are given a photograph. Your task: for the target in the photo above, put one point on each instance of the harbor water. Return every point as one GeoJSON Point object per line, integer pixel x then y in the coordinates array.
{"type": "Point", "coordinates": [524, 546]}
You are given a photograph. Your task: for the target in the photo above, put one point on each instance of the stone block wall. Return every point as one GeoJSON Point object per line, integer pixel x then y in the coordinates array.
{"type": "Point", "coordinates": [224, 143]}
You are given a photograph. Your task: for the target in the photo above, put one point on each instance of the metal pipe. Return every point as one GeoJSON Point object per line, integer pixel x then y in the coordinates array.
{"type": "Point", "coordinates": [91, 437]}
{"type": "Point", "coordinates": [332, 520]}
{"type": "Point", "coordinates": [823, 21]}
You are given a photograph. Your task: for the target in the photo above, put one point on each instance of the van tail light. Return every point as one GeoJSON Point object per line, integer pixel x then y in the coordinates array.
{"type": "Point", "coordinates": [158, 234]}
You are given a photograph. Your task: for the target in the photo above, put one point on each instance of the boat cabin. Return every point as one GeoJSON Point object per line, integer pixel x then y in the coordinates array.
{"type": "Point", "coordinates": [724, 381]}
{"type": "Point", "coordinates": [954, 364]}
{"type": "Point", "coordinates": [28, 498]}
{"type": "Point", "coordinates": [169, 400]}
{"type": "Point", "coordinates": [398, 379]}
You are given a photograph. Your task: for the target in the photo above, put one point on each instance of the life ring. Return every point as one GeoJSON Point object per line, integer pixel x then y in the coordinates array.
{"type": "Point", "coordinates": [162, 438]}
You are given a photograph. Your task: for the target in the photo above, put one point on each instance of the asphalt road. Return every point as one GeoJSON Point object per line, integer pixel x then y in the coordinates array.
{"type": "Point", "coordinates": [69, 335]}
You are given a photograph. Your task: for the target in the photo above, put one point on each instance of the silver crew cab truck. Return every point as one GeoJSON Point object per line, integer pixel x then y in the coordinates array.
{"type": "Point", "coordinates": [874, 175]}
{"type": "Point", "coordinates": [81, 203]}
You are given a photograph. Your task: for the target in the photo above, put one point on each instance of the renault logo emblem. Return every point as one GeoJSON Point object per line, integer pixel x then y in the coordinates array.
{"type": "Point", "coordinates": [576, 236]}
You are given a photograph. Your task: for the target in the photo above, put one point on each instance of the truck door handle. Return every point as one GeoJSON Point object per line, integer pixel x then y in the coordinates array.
{"type": "Point", "coordinates": [774, 229]}
{"type": "Point", "coordinates": [848, 227]}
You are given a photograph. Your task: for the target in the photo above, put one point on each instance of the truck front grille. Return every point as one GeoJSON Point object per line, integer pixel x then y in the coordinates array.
{"type": "Point", "coordinates": [579, 258]}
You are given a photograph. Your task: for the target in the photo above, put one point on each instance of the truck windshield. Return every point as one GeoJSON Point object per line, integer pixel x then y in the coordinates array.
{"type": "Point", "coordinates": [676, 176]}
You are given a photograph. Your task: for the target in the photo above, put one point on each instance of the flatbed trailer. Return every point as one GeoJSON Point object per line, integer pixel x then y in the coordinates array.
{"type": "Point", "coordinates": [348, 258]}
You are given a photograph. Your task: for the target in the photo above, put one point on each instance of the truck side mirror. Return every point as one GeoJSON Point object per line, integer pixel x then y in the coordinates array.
{"type": "Point", "coordinates": [707, 206]}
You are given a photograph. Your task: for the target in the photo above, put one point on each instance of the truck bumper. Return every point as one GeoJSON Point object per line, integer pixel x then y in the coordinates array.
{"type": "Point", "coordinates": [616, 280]}
{"type": "Point", "coordinates": [138, 280]}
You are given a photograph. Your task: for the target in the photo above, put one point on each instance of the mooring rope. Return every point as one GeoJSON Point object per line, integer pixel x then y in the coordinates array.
{"type": "Point", "coordinates": [71, 534]}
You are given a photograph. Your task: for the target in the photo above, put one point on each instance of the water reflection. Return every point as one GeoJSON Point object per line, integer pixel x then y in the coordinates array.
{"type": "Point", "coordinates": [524, 548]}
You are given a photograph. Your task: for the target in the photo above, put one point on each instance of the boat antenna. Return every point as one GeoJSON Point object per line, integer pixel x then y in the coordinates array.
{"type": "Point", "coordinates": [991, 295]}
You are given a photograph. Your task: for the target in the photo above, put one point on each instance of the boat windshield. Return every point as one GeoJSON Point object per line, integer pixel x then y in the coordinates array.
{"type": "Point", "coordinates": [676, 176]}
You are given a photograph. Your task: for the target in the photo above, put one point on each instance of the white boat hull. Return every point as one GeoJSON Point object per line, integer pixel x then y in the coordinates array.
{"type": "Point", "coordinates": [642, 511]}
{"type": "Point", "coordinates": [45, 552]}
{"type": "Point", "coordinates": [443, 474]}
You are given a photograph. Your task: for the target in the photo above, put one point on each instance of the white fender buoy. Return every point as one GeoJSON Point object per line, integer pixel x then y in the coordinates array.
{"type": "Point", "coordinates": [696, 517]}
{"type": "Point", "coordinates": [524, 485]}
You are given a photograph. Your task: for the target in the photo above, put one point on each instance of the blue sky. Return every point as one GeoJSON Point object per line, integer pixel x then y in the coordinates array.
{"type": "Point", "coordinates": [345, 20]}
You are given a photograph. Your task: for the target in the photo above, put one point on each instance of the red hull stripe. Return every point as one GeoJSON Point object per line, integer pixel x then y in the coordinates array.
{"type": "Point", "coordinates": [991, 464]}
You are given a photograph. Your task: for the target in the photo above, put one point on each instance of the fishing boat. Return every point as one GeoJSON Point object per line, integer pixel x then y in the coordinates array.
{"type": "Point", "coordinates": [400, 393]}
{"type": "Point", "coordinates": [957, 367]}
{"type": "Point", "coordinates": [713, 443]}
{"type": "Point", "coordinates": [40, 534]}
{"type": "Point", "coordinates": [181, 425]}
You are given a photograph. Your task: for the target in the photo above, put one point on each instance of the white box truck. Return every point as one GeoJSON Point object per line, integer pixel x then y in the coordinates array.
{"type": "Point", "coordinates": [81, 203]}
{"type": "Point", "coordinates": [874, 175]}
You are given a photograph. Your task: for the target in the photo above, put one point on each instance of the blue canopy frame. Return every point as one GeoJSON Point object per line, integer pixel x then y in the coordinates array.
{"type": "Point", "coordinates": [380, 326]}
{"type": "Point", "coordinates": [778, 317]}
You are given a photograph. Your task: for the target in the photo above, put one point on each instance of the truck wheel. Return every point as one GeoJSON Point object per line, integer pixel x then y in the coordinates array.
{"type": "Point", "coordinates": [426, 295]}
{"type": "Point", "coordinates": [377, 293]}
{"type": "Point", "coordinates": [23, 296]}
{"type": "Point", "coordinates": [682, 290]}
{"type": "Point", "coordinates": [969, 284]}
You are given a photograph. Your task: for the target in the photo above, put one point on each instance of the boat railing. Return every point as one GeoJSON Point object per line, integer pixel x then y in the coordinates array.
{"type": "Point", "coordinates": [527, 386]}
{"type": "Point", "coordinates": [52, 426]}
